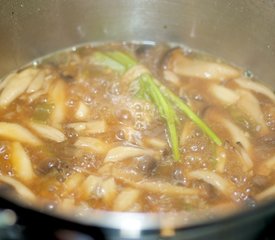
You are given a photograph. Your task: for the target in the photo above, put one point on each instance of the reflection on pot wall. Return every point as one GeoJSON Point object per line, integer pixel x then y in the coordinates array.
{"type": "Point", "coordinates": [242, 32]}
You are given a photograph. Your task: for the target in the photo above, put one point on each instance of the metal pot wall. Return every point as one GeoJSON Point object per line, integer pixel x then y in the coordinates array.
{"type": "Point", "coordinates": [241, 32]}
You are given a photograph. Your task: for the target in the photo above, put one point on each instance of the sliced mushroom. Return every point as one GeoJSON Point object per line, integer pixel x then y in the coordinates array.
{"type": "Point", "coordinates": [256, 87]}
{"type": "Point", "coordinates": [121, 153]}
{"type": "Point", "coordinates": [57, 96]}
{"type": "Point", "coordinates": [224, 94]}
{"type": "Point", "coordinates": [48, 132]}
{"type": "Point", "coordinates": [126, 199]}
{"type": "Point", "coordinates": [92, 144]}
{"type": "Point", "coordinates": [21, 162]}
{"type": "Point", "coordinates": [213, 179]}
{"type": "Point", "coordinates": [17, 85]}
{"type": "Point", "coordinates": [14, 131]}
{"type": "Point", "coordinates": [191, 67]}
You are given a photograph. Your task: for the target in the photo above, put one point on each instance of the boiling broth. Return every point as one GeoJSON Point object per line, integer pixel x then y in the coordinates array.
{"type": "Point", "coordinates": [136, 127]}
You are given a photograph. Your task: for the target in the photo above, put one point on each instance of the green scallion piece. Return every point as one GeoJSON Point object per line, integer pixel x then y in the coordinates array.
{"type": "Point", "coordinates": [190, 114]}
{"type": "Point", "coordinates": [165, 109]}
{"type": "Point", "coordinates": [161, 96]}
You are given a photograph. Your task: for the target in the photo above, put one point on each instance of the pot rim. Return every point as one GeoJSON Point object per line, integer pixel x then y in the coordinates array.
{"type": "Point", "coordinates": [137, 221]}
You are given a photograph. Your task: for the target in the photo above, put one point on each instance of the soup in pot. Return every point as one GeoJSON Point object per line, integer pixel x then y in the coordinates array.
{"type": "Point", "coordinates": [136, 128]}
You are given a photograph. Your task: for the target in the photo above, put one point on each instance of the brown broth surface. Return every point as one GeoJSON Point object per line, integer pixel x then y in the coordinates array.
{"type": "Point", "coordinates": [76, 92]}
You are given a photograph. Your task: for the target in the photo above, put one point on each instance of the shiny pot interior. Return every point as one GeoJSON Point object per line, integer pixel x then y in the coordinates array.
{"type": "Point", "coordinates": [241, 32]}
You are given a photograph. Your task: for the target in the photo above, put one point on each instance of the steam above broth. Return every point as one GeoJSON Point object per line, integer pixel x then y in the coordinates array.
{"type": "Point", "coordinates": [133, 127]}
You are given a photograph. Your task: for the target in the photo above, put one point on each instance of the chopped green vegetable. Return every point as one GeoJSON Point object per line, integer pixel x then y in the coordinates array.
{"type": "Point", "coordinates": [193, 116]}
{"type": "Point", "coordinates": [104, 60]}
{"type": "Point", "coordinates": [122, 58]}
{"type": "Point", "coordinates": [162, 97]}
{"type": "Point", "coordinates": [165, 108]}
{"type": "Point", "coordinates": [114, 60]}
{"type": "Point", "coordinates": [42, 112]}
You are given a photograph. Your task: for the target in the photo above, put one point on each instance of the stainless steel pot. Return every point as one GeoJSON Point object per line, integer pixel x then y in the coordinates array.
{"type": "Point", "coordinates": [241, 32]}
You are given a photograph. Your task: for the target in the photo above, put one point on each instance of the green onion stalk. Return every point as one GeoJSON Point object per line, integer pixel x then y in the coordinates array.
{"type": "Point", "coordinates": [163, 98]}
